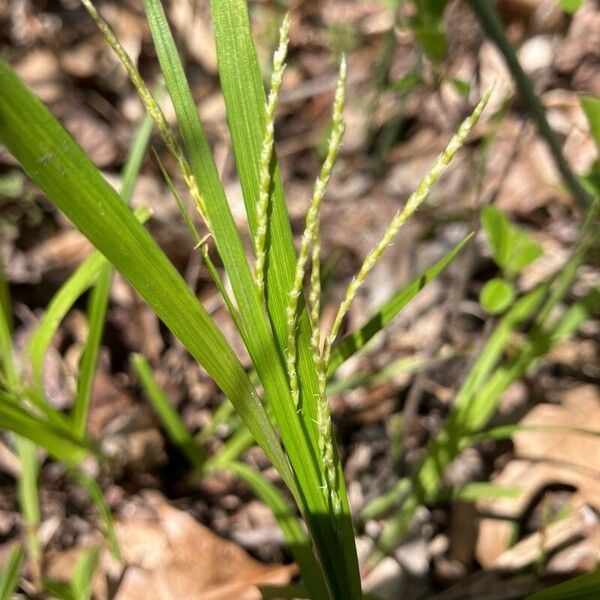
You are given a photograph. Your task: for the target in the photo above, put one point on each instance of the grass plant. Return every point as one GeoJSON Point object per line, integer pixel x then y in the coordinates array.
{"type": "Point", "coordinates": [277, 319]}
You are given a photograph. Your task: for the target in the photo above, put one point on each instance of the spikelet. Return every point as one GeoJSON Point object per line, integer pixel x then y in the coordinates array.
{"type": "Point", "coordinates": [412, 204]}
{"type": "Point", "coordinates": [265, 156]}
{"type": "Point", "coordinates": [152, 107]}
{"type": "Point", "coordinates": [314, 297]}
{"type": "Point", "coordinates": [326, 439]}
{"type": "Point", "coordinates": [335, 138]}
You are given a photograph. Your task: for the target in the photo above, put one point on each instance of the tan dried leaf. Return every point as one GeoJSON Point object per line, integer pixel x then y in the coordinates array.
{"type": "Point", "coordinates": [543, 458]}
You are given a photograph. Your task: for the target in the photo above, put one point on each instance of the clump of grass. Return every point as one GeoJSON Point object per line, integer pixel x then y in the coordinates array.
{"type": "Point", "coordinates": [291, 422]}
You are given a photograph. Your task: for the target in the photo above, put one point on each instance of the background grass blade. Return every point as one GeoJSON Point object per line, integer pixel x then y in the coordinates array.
{"type": "Point", "coordinates": [27, 490]}
{"type": "Point", "coordinates": [98, 302]}
{"type": "Point", "coordinates": [58, 442]}
{"type": "Point", "coordinates": [95, 493]}
{"type": "Point", "coordinates": [176, 430]}
{"type": "Point", "coordinates": [83, 573]}
{"type": "Point", "coordinates": [9, 578]}
{"type": "Point", "coordinates": [74, 184]}
{"type": "Point", "coordinates": [62, 302]}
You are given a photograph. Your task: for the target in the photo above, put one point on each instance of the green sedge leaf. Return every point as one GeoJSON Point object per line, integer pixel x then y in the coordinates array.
{"type": "Point", "coordinates": [245, 100]}
{"type": "Point", "coordinates": [84, 571]}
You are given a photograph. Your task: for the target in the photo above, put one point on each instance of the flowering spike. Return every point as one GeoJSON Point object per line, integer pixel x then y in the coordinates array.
{"type": "Point", "coordinates": [314, 298]}
{"type": "Point", "coordinates": [265, 156]}
{"type": "Point", "coordinates": [312, 216]}
{"type": "Point", "coordinates": [414, 201]}
{"type": "Point", "coordinates": [152, 107]}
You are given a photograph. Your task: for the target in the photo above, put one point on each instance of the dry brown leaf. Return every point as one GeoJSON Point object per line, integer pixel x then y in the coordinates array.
{"type": "Point", "coordinates": [578, 525]}
{"type": "Point", "coordinates": [168, 555]}
{"type": "Point", "coordinates": [543, 458]}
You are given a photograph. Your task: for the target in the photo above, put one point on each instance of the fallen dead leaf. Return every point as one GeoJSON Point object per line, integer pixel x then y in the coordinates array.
{"type": "Point", "coordinates": [544, 458]}
{"type": "Point", "coordinates": [168, 555]}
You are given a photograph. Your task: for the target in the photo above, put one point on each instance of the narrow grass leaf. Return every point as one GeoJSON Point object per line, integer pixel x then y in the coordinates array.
{"type": "Point", "coordinates": [232, 449]}
{"type": "Point", "coordinates": [9, 578]}
{"type": "Point", "coordinates": [62, 302]}
{"type": "Point", "coordinates": [57, 442]}
{"type": "Point", "coordinates": [176, 430]}
{"type": "Point", "coordinates": [402, 365]}
{"type": "Point", "coordinates": [96, 314]}
{"type": "Point", "coordinates": [5, 306]}
{"type": "Point", "coordinates": [9, 373]}
{"type": "Point", "coordinates": [494, 348]}
{"type": "Point", "coordinates": [59, 589]}
{"type": "Point", "coordinates": [95, 493]}
{"type": "Point", "coordinates": [478, 490]}
{"type": "Point", "coordinates": [503, 432]}
{"type": "Point", "coordinates": [381, 505]}
{"type": "Point", "coordinates": [27, 490]}
{"type": "Point", "coordinates": [591, 108]}
{"type": "Point", "coordinates": [83, 573]}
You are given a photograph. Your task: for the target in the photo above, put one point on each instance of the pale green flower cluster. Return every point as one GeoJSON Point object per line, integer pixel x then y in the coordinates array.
{"type": "Point", "coordinates": [265, 155]}
{"type": "Point", "coordinates": [308, 237]}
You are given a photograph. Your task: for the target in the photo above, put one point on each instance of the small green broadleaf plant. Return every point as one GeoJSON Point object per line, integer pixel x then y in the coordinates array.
{"type": "Point", "coordinates": [427, 26]}
{"type": "Point", "coordinates": [512, 250]}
